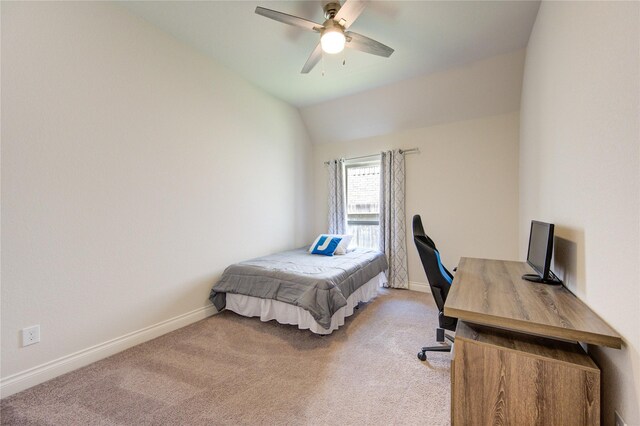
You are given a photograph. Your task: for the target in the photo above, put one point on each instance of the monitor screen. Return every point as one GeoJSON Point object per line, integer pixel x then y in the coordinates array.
{"type": "Point", "coordinates": [540, 247]}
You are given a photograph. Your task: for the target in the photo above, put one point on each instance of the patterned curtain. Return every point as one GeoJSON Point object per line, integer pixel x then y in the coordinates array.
{"type": "Point", "coordinates": [337, 219]}
{"type": "Point", "coordinates": [392, 218]}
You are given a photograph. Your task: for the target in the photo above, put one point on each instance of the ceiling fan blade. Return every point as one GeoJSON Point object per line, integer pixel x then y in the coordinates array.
{"type": "Point", "coordinates": [314, 58]}
{"type": "Point", "coordinates": [365, 44]}
{"type": "Point", "coordinates": [349, 12]}
{"type": "Point", "coordinates": [288, 19]}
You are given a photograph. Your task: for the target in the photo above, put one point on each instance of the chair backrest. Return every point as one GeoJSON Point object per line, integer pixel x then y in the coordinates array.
{"type": "Point", "coordinates": [438, 276]}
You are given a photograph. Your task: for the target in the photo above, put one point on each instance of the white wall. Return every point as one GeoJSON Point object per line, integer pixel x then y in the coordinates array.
{"type": "Point", "coordinates": [478, 89]}
{"type": "Point", "coordinates": [463, 183]}
{"type": "Point", "coordinates": [134, 170]}
{"type": "Point", "coordinates": [580, 168]}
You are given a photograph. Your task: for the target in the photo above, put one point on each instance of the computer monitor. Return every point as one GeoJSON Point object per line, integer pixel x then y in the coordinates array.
{"type": "Point", "coordinates": [539, 253]}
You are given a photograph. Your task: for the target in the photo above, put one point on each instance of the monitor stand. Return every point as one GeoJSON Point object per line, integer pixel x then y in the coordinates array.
{"type": "Point", "coordinates": [552, 280]}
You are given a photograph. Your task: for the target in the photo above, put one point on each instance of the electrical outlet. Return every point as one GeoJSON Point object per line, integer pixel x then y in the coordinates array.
{"type": "Point", "coordinates": [30, 335]}
{"type": "Point", "coordinates": [619, 421]}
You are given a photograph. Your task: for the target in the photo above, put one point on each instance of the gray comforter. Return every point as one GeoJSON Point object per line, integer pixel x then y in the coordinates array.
{"type": "Point", "coordinates": [319, 284]}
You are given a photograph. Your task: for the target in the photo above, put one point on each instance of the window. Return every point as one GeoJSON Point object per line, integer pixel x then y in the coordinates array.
{"type": "Point", "coordinates": [363, 202]}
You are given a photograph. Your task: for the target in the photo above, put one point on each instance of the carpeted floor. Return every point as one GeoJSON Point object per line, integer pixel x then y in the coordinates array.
{"type": "Point", "coordinates": [229, 369]}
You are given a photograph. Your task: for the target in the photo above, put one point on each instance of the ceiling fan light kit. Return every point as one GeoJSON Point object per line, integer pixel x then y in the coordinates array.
{"type": "Point", "coordinates": [332, 39]}
{"type": "Point", "coordinates": [333, 34]}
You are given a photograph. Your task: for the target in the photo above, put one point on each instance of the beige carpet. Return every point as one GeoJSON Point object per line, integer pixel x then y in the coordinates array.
{"type": "Point", "coordinates": [229, 369]}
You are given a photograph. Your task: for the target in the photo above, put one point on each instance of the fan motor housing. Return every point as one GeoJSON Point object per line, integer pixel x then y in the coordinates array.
{"type": "Point", "coordinates": [331, 9]}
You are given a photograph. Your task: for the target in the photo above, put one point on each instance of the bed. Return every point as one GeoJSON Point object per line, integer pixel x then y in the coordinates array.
{"type": "Point", "coordinates": [311, 291]}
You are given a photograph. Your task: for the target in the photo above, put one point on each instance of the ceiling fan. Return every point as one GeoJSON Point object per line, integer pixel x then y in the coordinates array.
{"type": "Point", "coordinates": [333, 32]}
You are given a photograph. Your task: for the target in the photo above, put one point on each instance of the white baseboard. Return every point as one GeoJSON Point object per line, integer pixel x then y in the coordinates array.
{"type": "Point", "coordinates": [421, 287]}
{"type": "Point", "coordinates": [25, 379]}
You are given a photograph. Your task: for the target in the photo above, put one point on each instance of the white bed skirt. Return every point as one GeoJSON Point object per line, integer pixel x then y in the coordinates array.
{"type": "Point", "coordinates": [284, 313]}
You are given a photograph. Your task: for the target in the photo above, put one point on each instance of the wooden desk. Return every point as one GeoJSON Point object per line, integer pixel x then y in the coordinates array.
{"type": "Point", "coordinates": [515, 357]}
{"type": "Point", "coordinates": [492, 292]}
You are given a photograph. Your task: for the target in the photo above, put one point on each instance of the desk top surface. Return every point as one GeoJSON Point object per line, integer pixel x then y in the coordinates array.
{"type": "Point", "coordinates": [492, 292]}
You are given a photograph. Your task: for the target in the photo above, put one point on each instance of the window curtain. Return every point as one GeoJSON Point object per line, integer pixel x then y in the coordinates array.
{"type": "Point", "coordinates": [392, 218]}
{"type": "Point", "coordinates": [337, 218]}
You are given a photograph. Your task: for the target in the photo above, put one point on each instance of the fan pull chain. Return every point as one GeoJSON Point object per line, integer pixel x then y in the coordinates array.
{"type": "Point", "coordinates": [322, 60]}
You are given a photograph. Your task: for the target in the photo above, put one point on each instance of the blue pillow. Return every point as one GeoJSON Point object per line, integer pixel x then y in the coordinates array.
{"type": "Point", "coordinates": [326, 245]}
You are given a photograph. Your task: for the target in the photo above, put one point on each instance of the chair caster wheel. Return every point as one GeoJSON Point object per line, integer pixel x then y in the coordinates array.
{"type": "Point", "coordinates": [422, 356]}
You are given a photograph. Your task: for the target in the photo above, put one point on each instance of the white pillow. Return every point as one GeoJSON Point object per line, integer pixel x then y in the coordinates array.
{"type": "Point", "coordinates": [342, 247]}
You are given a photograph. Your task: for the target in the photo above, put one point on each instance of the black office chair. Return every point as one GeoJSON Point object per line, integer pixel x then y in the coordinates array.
{"type": "Point", "coordinates": [440, 280]}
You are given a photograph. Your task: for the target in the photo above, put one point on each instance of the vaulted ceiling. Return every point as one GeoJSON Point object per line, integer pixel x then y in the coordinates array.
{"type": "Point", "coordinates": [427, 36]}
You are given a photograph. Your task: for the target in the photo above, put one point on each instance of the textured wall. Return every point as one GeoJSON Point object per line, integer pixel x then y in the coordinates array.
{"type": "Point", "coordinates": [464, 184]}
{"type": "Point", "coordinates": [134, 170]}
{"type": "Point", "coordinates": [478, 89]}
{"type": "Point", "coordinates": [580, 168]}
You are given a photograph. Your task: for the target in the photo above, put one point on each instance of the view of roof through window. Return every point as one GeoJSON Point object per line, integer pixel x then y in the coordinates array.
{"type": "Point", "coordinates": [363, 189]}
{"type": "Point", "coordinates": [363, 204]}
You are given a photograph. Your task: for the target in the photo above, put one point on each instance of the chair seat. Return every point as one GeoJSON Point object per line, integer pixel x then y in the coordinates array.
{"type": "Point", "coordinates": [448, 323]}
